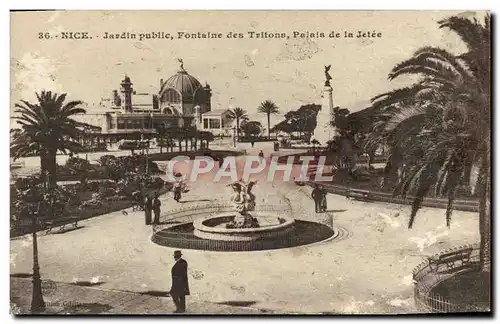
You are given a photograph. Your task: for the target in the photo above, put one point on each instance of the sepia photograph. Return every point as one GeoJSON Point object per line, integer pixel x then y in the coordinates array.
{"type": "Point", "coordinates": [211, 162]}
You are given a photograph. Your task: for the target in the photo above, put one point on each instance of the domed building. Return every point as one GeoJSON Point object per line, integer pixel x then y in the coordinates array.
{"type": "Point", "coordinates": [181, 101]}
{"type": "Point", "coordinates": [182, 92]}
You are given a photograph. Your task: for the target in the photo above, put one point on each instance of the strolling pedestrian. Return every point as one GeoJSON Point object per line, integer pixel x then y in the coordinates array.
{"type": "Point", "coordinates": [180, 285]}
{"type": "Point", "coordinates": [261, 155]}
{"type": "Point", "coordinates": [156, 209]}
{"type": "Point", "coordinates": [317, 197]}
{"type": "Point", "coordinates": [177, 188]}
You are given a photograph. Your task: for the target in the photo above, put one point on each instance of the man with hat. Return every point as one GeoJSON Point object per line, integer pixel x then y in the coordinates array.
{"type": "Point", "coordinates": [180, 286]}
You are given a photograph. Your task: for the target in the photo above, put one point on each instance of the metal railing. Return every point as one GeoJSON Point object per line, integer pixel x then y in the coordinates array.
{"type": "Point", "coordinates": [162, 234]}
{"type": "Point", "coordinates": [470, 205]}
{"type": "Point", "coordinates": [189, 214]}
{"type": "Point", "coordinates": [428, 275]}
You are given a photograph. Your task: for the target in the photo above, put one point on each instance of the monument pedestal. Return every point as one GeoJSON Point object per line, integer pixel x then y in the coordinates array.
{"type": "Point", "coordinates": [324, 130]}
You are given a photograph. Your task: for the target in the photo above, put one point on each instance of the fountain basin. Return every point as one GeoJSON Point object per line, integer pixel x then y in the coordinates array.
{"type": "Point", "coordinates": [271, 226]}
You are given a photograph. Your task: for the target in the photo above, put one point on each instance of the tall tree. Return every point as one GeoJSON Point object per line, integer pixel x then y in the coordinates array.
{"type": "Point", "coordinates": [439, 127]}
{"type": "Point", "coordinates": [251, 128]}
{"type": "Point", "coordinates": [207, 137]}
{"type": "Point", "coordinates": [239, 115]}
{"type": "Point", "coordinates": [303, 120]}
{"type": "Point", "coordinates": [47, 127]}
{"type": "Point", "coordinates": [161, 136]}
{"type": "Point", "coordinates": [269, 108]}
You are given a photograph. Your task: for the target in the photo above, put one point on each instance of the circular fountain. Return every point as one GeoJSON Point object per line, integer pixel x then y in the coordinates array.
{"type": "Point", "coordinates": [216, 227]}
{"type": "Point", "coordinates": [239, 226]}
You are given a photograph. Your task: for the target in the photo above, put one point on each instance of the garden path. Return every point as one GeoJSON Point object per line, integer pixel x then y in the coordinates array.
{"type": "Point", "coordinates": [368, 271]}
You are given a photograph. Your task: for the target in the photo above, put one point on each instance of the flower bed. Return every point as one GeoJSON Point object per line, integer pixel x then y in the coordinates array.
{"type": "Point", "coordinates": [109, 167]}
{"type": "Point", "coordinates": [454, 284]}
{"type": "Point", "coordinates": [83, 200]}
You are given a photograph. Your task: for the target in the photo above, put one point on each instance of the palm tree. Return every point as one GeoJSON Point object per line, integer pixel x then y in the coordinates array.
{"type": "Point", "coordinates": [269, 108]}
{"type": "Point", "coordinates": [207, 136]}
{"type": "Point", "coordinates": [190, 132]}
{"type": "Point", "coordinates": [161, 136]}
{"type": "Point", "coordinates": [46, 128]}
{"type": "Point", "coordinates": [440, 126]}
{"type": "Point", "coordinates": [239, 115]}
{"type": "Point", "coordinates": [180, 134]}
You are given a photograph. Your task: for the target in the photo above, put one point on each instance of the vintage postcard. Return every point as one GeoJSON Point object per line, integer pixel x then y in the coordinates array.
{"type": "Point", "coordinates": [250, 162]}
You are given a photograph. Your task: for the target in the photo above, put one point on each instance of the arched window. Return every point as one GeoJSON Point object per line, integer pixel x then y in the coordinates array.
{"type": "Point", "coordinates": [170, 95]}
{"type": "Point", "coordinates": [167, 111]}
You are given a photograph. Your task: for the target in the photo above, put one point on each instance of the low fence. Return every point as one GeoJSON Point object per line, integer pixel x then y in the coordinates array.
{"type": "Point", "coordinates": [430, 273]}
{"type": "Point", "coordinates": [189, 214]}
{"type": "Point", "coordinates": [187, 240]}
{"type": "Point", "coordinates": [463, 205]}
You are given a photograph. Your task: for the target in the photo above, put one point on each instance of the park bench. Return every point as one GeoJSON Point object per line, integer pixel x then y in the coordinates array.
{"type": "Point", "coordinates": [61, 222]}
{"type": "Point", "coordinates": [357, 194]}
{"type": "Point", "coordinates": [446, 262]}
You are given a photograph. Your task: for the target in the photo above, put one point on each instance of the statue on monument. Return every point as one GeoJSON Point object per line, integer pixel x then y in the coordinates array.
{"type": "Point", "coordinates": [323, 131]}
{"type": "Point", "coordinates": [327, 75]}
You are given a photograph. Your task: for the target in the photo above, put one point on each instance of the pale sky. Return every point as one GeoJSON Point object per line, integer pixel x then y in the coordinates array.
{"type": "Point", "coordinates": [241, 72]}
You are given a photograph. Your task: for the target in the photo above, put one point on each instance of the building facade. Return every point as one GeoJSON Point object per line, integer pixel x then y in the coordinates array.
{"type": "Point", "coordinates": [181, 100]}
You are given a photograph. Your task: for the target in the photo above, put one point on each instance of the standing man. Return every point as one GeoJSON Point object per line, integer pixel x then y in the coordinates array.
{"type": "Point", "coordinates": [317, 196]}
{"type": "Point", "coordinates": [323, 199]}
{"type": "Point", "coordinates": [148, 208]}
{"type": "Point", "coordinates": [261, 155]}
{"type": "Point", "coordinates": [156, 210]}
{"type": "Point", "coordinates": [180, 285]}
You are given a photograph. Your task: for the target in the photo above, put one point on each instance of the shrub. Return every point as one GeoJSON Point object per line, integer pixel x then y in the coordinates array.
{"type": "Point", "coordinates": [90, 204]}
{"type": "Point", "coordinates": [361, 174]}
{"type": "Point", "coordinates": [117, 198]}
{"type": "Point", "coordinates": [105, 192]}
{"type": "Point", "coordinates": [156, 183]}
{"type": "Point", "coordinates": [77, 163]}
{"type": "Point", "coordinates": [108, 160]}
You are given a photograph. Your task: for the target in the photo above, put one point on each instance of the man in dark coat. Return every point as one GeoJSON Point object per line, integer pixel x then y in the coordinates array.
{"type": "Point", "coordinates": [323, 204]}
{"type": "Point", "coordinates": [317, 196]}
{"type": "Point", "coordinates": [148, 209]}
{"type": "Point", "coordinates": [180, 285]}
{"type": "Point", "coordinates": [261, 155]}
{"type": "Point", "coordinates": [156, 209]}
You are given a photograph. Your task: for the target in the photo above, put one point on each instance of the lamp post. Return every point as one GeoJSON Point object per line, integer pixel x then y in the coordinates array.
{"type": "Point", "coordinates": [147, 148]}
{"type": "Point", "coordinates": [234, 136]}
{"type": "Point", "coordinates": [37, 302]}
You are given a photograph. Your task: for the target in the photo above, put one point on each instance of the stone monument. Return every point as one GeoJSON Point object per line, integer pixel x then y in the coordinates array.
{"type": "Point", "coordinates": [324, 130]}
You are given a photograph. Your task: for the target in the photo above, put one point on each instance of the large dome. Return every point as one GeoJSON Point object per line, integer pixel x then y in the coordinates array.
{"type": "Point", "coordinates": [184, 83]}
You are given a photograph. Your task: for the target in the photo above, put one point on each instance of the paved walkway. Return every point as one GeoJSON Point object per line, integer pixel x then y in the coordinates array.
{"type": "Point", "coordinates": [368, 271]}
{"type": "Point", "coordinates": [62, 298]}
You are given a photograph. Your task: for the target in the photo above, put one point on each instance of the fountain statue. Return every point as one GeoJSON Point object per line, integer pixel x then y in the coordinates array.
{"type": "Point", "coordinates": [243, 201]}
